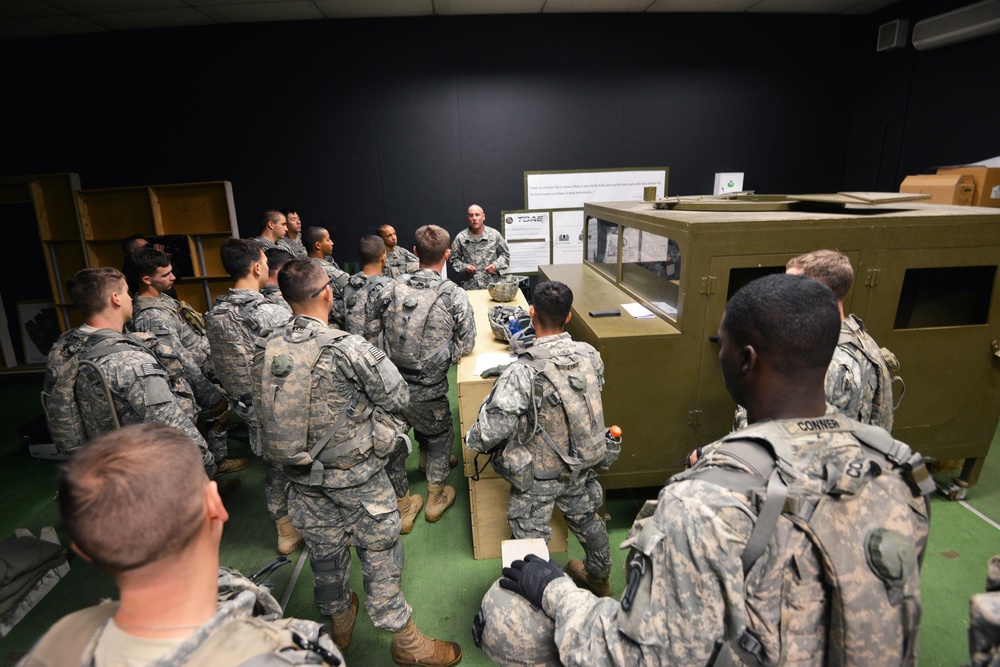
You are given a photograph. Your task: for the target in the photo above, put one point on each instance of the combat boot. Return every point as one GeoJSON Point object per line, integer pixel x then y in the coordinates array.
{"type": "Point", "coordinates": [227, 486]}
{"type": "Point", "coordinates": [578, 573]}
{"type": "Point", "coordinates": [439, 498]}
{"type": "Point", "coordinates": [342, 625]}
{"type": "Point", "coordinates": [452, 461]}
{"type": "Point", "coordinates": [412, 647]}
{"type": "Point", "coordinates": [288, 538]}
{"type": "Point", "coordinates": [227, 466]}
{"type": "Point", "coordinates": [409, 508]}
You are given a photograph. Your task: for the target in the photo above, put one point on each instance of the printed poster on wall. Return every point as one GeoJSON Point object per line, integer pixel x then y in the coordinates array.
{"type": "Point", "coordinates": [572, 189]}
{"type": "Point", "coordinates": [567, 237]}
{"type": "Point", "coordinates": [528, 239]}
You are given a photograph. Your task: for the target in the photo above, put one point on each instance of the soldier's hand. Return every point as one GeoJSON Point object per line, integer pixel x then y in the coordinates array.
{"type": "Point", "coordinates": [529, 577]}
{"type": "Point", "coordinates": [491, 269]}
{"type": "Point", "coordinates": [469, 268]}
{"type": "Point", "coordinates": [494, 372]}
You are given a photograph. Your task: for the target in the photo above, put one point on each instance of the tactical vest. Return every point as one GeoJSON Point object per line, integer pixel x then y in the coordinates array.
{"type": "Point", "coordinates": [406, 319]}
{"type": "Point", "coordinates": [75, 362]}
{"type": "Point", "coordinates": [856, 503]}
{"type": "Point", "coordinates": [356, 293]}
{"type": "Point", "coordinates": [231, 332]}
{"type": "Point", "coordinates": [566, 422]}
{"type": "Point", "coordinates": [295, 431]}
{"type": "Point", "coordinates": [182, 308]}
{"type": "Point", "coordinates": [864, 351]}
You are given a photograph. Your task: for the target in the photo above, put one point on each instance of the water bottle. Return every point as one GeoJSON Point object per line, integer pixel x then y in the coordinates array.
{"type": "Point", "coordinates": [513, 325]}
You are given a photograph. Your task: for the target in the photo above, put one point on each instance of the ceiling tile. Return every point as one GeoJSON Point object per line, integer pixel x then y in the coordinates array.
{"type": "Point", "coordinates": [81, 7]}
{"type": "Point", "coordinates": [462, 7]}
{"type": "Point", "coordinates": [701, 5]}
{"type": "Point", "coordinates": [800, 7]}
{"type": "Point", "coordinates": [26, 9]}
{"type": "Point", "coordinates": [583, 6]}
{"type": "Point", "coordinates": [154, 18]}
{"type": "Point", "coordinates": [350, 9]}
{"type": "Point", "coordinates": [300, 10]}
{"type": "Point", "coordinates": [66, 25]}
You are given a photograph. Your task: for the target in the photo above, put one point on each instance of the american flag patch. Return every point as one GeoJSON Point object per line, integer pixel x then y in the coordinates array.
{"type": "Point", "coordinates": [152, 368]}
{"type": "Point", "coordinates": [376, 354]}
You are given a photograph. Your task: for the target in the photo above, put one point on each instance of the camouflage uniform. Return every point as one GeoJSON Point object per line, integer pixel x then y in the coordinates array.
{"type": "Point", "coordinates": [429, 414]}
{"type": "Point", "coordinates": [142, 389]}
{"type": "Point", "coordinates": [489, 248]}
{"type": "Point", "coordinates": [340, 279]}
{"type": "Point", "coordinates": [266, 244]}
{"type": "Point", "coordinates": [504, 416]}
{"type": "Point", "coordinates": [293, 246]}
{"type": "Point", "coordinates": [359, 288]}
{"type": "Point", "coordinates": [984, 620]}
{"type": "Point", "coordinates": [399, 261]}
{"type": "Point", "coordinates": [352, 504]}
{"type": "Point", "coordinates": [852, 380]}
{"type": "Point", "coordinates": [263, 315]}
{"type": "Point", "coordinates": [272, 293]}
{"type": "Point", "coordinates": [690, 592]}
{"type": "Point", "coordinates": [161, 316]}
{"type": "Point", "coordinates": [237, 632]}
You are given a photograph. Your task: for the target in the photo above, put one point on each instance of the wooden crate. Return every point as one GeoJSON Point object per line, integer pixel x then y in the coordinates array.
{"type": "Point", "coordinates": [488, 498]}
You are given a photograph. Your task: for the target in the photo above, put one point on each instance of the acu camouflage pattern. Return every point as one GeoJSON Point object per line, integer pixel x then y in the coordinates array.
{"type": "Point", "coordinates": [686, 589]}
{"type": "Point", "coordinates": [489, 248]}
{"type": "Point", "coordinates": [265, 243]}
{"type": "Point", "coordinates": [399, 261]}
{"type": "Point", "coordinates": [984, 620]}
{"type": "Point", "coordinates": [357, 291]}
{"type": "Point", "coordinates": [512, 633]}
{"type": "Point", "coordinates": [247, 626]}
{"type": "Point", "coordinates": [293, 246]}
{"type": "Point", "coordinates": [272, 293]}
{"type": "Point", "coordinates": [143, 374]}
{"type": "Point", "coordinates": [507, 421]}
{"type": "Point", "coordinates": [340, 278]}
{"type": "Point", "coordinates": [858, 381]}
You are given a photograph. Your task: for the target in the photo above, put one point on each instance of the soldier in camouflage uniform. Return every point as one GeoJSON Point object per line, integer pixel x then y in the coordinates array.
{"type": "Point", "coordinates": [398, 260]}
{"type": "Point", "coordinates": [292, 243]}
{"type": "Point", "coordinates": [984, 620]}
{"type": "Point", "coordinates": [137, 381]}
{"type": "Point", "coordinates": [273, 228]}
{"type": "Point", "coordinates": [276, 258]}
{"type": "Point", "coordinates": [156, 530]}
{"type": "Point", "coordinates": [319, 246]}
{"type": "Point", "coordinates": [344, 499]}
{"type": "Point", "coordinates": [687, 595]}
{"type": "Point", "coordinates": [448, 334]}
{"type": "Point", "coordinates": [510, 416]}
{"type": "Point", "coordinates": [233, 325]}
{"type": "Point", "coordinates": [150, 274]}
{"type": "Point", "coordinates": [479, 255]}
{"type": "Point", "coordinates": [366, 283]}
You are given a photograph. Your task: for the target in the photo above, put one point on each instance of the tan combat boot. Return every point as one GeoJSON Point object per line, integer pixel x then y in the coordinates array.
{"type": "Point", "coordinates": [439, 498]}
{"type": "Point", "coordinates": [409, 508]}
{"type": "Point", "coordinates": [452, 461]}
{"type": "Point", "coordinates": [288, 537]}
{"type": "Point", "coordinates": [342, 625]}
{"type": "Point", "coordinates": [227, 466]}
{"type": "Point", "coordinates": [578, 573]}
{"type": "Point", "coordinates": [412, 647]}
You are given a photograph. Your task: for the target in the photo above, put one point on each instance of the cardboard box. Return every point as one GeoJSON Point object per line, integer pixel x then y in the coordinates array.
{"type": "Point", "coordinates": [987, 180]}
{"type": "Point", "coordinates": [488, 498]}
{"type": "Point", "coordinates": [955, 189]}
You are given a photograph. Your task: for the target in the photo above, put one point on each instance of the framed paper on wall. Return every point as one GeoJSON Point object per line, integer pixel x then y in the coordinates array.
{"type": "Point", "coordinates": [39, 329]}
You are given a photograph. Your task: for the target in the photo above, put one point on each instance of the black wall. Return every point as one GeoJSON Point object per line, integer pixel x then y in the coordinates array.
{"type": "Point", "coordinates": [408, 121]}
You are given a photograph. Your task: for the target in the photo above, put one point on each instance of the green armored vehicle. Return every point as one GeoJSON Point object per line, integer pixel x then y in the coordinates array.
{"type": "Point", "coordinates": [925, 287]}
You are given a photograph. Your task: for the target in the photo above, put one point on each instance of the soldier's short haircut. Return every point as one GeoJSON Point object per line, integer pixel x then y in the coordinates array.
{"type": "Point", "coordinates": [131, 242]}
{"type": "Point", "coordinates": [270, 215]}
{"type": "Point", "coordinates": [830, 267]}
{"type": "Point", "coordinates": [288, 211]}
{"type": "Point", "coordinates": [382, 228]}
{"type": "Point", "coordinates": [371, 248]}
{"type": "Point", "coordinates": [123, 512]}
{"type": "Point", "coordinates": [299, 279]}
{"type": "Point", "coordinates": [239, 255]}
{"type": "Point", "coordinates": [311, 236]}
{"type": "Point", "coordinates": [431, 242]}
{"type": "Point", "coordinates": [276, 258]}
{"type": "Point", "coordinates": [89, 289]}
{"type": "Point", "coordinates": [552, 301]}
{"type": "Point", "coordinates": [792, 321]}
{"type": "Point", "coordinates": [145, 261]}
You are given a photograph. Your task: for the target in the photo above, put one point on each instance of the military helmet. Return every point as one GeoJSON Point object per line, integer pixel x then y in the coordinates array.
{"type": "Point", "coordinates": [512, 632]}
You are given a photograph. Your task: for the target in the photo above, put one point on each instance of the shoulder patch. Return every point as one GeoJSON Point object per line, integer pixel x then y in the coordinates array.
{"type": "Point", "coordinates": [376, 355]}
{"type": "Point", "coordinates": [151, 368]}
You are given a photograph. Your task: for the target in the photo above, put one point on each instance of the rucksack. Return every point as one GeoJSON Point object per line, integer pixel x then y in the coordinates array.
{"type": "Point", "coordinates": [286, 371]}
{"type": "Point", "coordinates": [231, 332]}
{"type": "Point", "coordinates": [863, 346]}
{"type": "Point", "coordinates": [869, 493]}
{"type": "Point", "coordinates": [405, 321]}
{"type": "Point", "coordinates": [566, 407]}
{"type": "Point", "coordinates": [356, 292]}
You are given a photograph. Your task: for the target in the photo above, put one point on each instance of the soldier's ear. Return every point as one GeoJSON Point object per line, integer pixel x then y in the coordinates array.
{"type": "Point", "coordinates": [75, 548]}
{"type": "Point", "coordinates": [447, 253]}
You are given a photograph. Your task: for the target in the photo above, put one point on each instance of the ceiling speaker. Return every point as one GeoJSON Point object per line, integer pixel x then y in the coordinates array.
{"type": "Point", "coordinates": [892, 35]}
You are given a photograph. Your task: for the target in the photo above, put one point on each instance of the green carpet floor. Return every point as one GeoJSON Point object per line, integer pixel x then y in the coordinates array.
{"type": "Point", "coordinates": [441, 580]}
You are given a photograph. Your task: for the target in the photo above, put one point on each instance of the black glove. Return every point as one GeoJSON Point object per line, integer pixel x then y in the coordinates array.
{"type": "Point", "coordinates": [494, 372]}
{"type": "Point", "coordinates": [529, 577]}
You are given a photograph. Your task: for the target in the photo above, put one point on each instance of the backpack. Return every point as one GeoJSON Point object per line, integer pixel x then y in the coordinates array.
{"type": "Point", "coordinates": [406, 319]}
{"type": "Point", "coordinates": [871, 491]}
{"type": "Point", "coordinates": [356, 292]}
{"type": "Point", "coordinates": [286, 370]}
{"type": "Point", "coordinates": [231, 332]}
{"type": "Point", "coordinates": [862, 347]}
{"type": "Point", "coordinates": [566, 407]}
